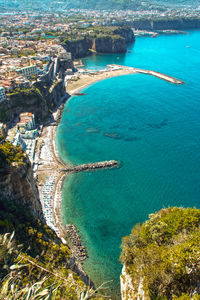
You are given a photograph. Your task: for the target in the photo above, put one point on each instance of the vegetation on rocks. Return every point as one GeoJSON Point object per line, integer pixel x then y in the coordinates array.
{"type": "Point", "coordinates": [26, 92]}
{"type": "Point", "coordinates": [163, 254]}
{"type": "Point", "coordinates": [10, 154]}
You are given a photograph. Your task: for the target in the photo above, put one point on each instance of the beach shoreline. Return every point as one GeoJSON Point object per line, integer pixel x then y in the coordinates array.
{"type": "Point", "coordinates": [88, 79]}
{"type": "Point", "coordinates": [50, 180]}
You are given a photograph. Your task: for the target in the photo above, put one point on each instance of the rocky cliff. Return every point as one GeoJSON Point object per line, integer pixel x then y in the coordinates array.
{"type": "Point", "coordinates": [16, 179]}
{"type": "Point", "coordinates": [17, 184]}
{"type": "Point", "coordinates": [42, 98]}
{"type": "Point", "coordinates": [163, 24]}
{"type": "Point", "coordinates": [107, 44]}
{"type": "Point", "coordinates": [79, 48]}
{"type": "Point", "coordinates": [113, 42]}
{"type": "Point", "coordinates": [126, 33]}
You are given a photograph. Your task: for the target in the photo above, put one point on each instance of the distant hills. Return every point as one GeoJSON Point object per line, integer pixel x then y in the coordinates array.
{"type": "Point", "coordinates": [104, 4]}
{"type": "Point", "coordinates": [94, 4]}
{"type": "Point", "coordinates": [126, 4]}
{"type": "Point", "coordinates": [177, 2]}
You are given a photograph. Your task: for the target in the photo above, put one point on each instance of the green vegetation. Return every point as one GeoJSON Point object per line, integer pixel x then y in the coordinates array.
{"type": "Point", "coordinates": [21, 96]}
{"type": "Point", "coordinates": [93, 32]}
{"type": "Point", "coordinates": [10, 154]}
{"type": "Point", "coordinates": [164, 254]}
{"type": "Point", "coordinates": [34, 264]}
{"type": "Point", "coordinates": [23, 92]}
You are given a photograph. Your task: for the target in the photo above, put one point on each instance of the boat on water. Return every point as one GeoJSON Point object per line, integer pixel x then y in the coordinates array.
{"type": "Point", "coordinates": [155, 34]}
{"type": "Point", "coordinates": [79, 94]}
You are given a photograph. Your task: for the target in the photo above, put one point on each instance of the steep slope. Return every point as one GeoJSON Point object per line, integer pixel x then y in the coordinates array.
{"type": "Point", "coordinates": [161, 257]}
{"type": "Point", "coordinates": [105, 39]}
{"type": "Point", "coordinates": [34, 263]}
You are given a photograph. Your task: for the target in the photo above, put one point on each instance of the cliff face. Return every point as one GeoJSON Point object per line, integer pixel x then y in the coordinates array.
{"type": "Point", "coordinates": [174, 24]}
{"type": "Point", "coordinates": [131, 290]}
{"type": "Point", "coordinates": [42, 98]}
{"type": "Point", "coordinates": [17, 184]}
{"type": "Point", "coordinates": [108, 44]}
{"type": "Point", "coordinates": [115, 42]}
{"type": "Point", "coordinates": [127, 289]}
{"type": "Point", "coordinates": [21, 101]}
{"type": "Point", "coordinates": [79, 48]}
{"type": "Point", "coordinates": [126, 33]}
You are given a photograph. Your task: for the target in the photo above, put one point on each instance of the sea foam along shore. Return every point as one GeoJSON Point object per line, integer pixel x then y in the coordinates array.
{"type": "Point", "coordinates": [51, 163]}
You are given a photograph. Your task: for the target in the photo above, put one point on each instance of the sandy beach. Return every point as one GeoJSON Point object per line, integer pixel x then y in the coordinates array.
{"type": "Point", "coordinates": [90, 78]}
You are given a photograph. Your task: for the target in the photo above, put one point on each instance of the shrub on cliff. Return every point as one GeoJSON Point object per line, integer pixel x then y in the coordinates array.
{"type": "Point", "coordinates": [10, 154]}
{"type": "Point", "coordinates": [163, 254]}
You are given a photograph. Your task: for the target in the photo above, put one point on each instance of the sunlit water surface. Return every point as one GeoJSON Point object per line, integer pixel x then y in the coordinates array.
{"type": "Point", "coordinates": [150, 125]}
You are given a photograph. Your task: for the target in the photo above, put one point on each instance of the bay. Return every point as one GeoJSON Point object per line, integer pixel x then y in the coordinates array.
{"type": "Point", "coordinates": [150, 125]}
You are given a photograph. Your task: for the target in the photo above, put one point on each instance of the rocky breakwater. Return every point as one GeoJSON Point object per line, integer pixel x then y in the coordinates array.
{"type": "Point", "coordinates": [91, 166]}
{"type": "Point", "coordinates": [78, 249]}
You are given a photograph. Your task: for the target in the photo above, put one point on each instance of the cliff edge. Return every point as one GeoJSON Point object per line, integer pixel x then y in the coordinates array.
{"type": "Point", "coordinates": [104, 40]}
{"type": "Point", "coordinates": [161, 257]}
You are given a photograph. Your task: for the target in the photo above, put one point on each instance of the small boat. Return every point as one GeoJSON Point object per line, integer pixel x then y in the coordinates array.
{"type": "Point", "coordinates": [154, 35]}
{"type": "Point", "coordinates": [79, 94]}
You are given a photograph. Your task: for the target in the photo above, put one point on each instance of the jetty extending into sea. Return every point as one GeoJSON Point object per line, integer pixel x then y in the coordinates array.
{"type": "Point", "coordinates": [88, 77]}
{"type": "Point", "coordinates": [162, 76]}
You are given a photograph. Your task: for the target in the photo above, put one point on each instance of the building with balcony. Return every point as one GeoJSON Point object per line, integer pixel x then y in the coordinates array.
{"type": "Point", "coordinates": [28, 71]}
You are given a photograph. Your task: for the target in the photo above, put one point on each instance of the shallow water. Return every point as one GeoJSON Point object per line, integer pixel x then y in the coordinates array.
{"type": "Point", "coordinates": [151, 126]}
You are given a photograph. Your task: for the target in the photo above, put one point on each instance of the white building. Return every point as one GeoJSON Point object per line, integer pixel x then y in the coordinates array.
{"type": "Point", "coordinates": [18, 141]}
{"type": "Point", "coordinates": [2, 94]}
{"type": "Point", "coordinates": [28, 71]}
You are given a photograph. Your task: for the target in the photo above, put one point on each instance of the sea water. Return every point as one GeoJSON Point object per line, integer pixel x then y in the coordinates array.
{"type": "Point", "coordinates": [152, 127]}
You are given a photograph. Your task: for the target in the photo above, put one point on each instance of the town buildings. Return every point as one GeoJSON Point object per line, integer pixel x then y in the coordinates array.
{"type": "Point", "coordinates": [26, 122]}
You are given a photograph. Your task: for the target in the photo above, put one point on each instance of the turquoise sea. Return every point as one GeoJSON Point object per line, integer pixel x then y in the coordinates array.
{"type": "Point", "coordinates": [150, 125]}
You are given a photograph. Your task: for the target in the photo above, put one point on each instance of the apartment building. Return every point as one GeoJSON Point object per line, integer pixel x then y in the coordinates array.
{"type": "Point", "coordinates": [28, 71]}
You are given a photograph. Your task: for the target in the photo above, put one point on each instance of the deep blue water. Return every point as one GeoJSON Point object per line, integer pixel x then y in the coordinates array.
{"type": "Point", "coordinates": [150, 125]}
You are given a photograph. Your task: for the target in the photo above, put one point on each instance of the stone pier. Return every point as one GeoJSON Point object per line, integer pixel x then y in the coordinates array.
{"type": "Point", "coordinates": [90, 166]}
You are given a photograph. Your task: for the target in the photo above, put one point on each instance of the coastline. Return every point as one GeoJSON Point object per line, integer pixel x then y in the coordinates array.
{"type": "Point", "coordinates": [114, 71]}
{"type": "Point", "coordinates": [50, 167]}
